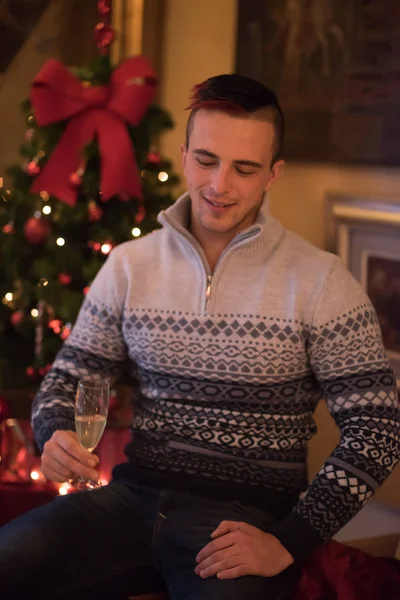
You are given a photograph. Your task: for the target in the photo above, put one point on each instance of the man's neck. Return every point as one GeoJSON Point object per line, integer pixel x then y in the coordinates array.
{"type": "Point", "coordinates": [213, 244]}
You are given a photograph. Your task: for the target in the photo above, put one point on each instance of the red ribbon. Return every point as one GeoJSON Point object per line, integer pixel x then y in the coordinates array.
{"type": "Point", "coordinates": [99, 112]}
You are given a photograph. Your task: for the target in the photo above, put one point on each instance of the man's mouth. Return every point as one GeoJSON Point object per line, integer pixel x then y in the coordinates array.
{"type": "Point", "coordinates": [218, 204]}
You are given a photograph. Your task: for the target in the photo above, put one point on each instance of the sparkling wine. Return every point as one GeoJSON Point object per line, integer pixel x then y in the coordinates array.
{"type": "Point", "coordinates": [89, 429]}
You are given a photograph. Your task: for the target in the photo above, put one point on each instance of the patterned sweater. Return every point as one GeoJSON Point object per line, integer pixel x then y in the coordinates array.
{"type": "Point", "coordinates": [229, 369]}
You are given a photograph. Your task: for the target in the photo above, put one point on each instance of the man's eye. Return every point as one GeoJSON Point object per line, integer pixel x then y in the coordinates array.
{"type": "Point", "coordinates": [205, 163]}
{"type": "Point", "coordinates": [244, 172]}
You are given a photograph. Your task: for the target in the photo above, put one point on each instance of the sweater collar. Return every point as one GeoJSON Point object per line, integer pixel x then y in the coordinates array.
{"type": "Point", "coordinates": [265, 232]}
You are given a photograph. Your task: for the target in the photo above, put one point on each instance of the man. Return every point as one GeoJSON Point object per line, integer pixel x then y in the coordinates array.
{"type": "Point", "coordinates": [234, 329]}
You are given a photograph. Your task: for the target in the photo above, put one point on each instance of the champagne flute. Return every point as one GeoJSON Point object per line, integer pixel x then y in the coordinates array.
{"type": "Point", "coordinates": [91, 409]}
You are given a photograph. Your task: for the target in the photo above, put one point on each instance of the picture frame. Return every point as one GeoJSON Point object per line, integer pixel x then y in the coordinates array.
{"type": "Point", "coordinates": [333, 65]}
{"type": "Point", "coordinates": [365, 233]}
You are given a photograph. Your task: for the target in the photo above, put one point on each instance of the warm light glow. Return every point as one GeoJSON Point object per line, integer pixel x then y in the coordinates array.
{"type": "Point", "coordinates": [163, 176]}
{"type": "Point", "coordinates": [46, 210]}
{"type": "Point", "coordinates": [104, 481]}
{"type": "Point", "coordinates": [9, 297]}
{"type": "Point", "coordinates": [44, 196]}
{"type": "Point", "coordinates": [34, 313]}
{"type": "Point", "coordinates": [1, 181]}
{"type": "Point", "coordinates": [43, 282]}
{"type": "Point", "coordinates": [136, 232]}
{"type": "Point", "coordinates": [106, 248]}
{"type": "Point", "coordinates": [63, 489]}
{"type": "Point", "coordinates": [34, 475]}
{"type": "Point", "coordinates": [60, 242]}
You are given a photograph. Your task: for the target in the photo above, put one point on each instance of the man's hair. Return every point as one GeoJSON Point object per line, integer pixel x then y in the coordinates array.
{"type": "Point", "coordinates": [241, 96]}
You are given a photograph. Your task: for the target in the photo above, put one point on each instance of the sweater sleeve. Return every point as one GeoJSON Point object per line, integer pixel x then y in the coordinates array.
{"type": "Point", "coordinates": [348, 358]}
{"type": "Point", "coordinates": [94, 347]}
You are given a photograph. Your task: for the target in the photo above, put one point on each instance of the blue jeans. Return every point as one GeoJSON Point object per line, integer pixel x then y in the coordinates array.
{"type": "Point", "coordinates": [125, 539]}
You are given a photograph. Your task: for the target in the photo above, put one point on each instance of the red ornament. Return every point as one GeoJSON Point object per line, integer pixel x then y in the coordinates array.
{"type": "Point", "coordinates": [98, 111]}
{"type": "Point", "coordinates": [96, 246]}
{"type": "Point", "coordinates": [33, 168]}
{"type": "Point", "coordinates": [104, 8]}
{"type": "Point", "coordinates": [104, 36]}
{"type": "Point", "coordinates": [8, 228]}
{"type": "Point", "coordinates": [95, 212]}
{"type": "Point", "coordinates": [31, 372]}
{"type": "Point", "coordinates": [65, 333]}
{"type": "Point", "coordinates": [29, 134]}
{"type": "Point", "coordinates": [86, 289]}
{"type": "Point", "coordinates": [42, 371]}
{"type": "Point", "coordinates": [64, 278]}
{"type": "Point", "coordinates": [75, 179]}
{"type": "Point", "coordinates": [37, 230]}
{"type": "Point", "coordinates": [154, 158]}
{"type": "Point", "coordinates": [17, 317]}
{"type": "Point", "coordinates": [140, 215]}
{"type": "Point", "coordinates": [4, 409]}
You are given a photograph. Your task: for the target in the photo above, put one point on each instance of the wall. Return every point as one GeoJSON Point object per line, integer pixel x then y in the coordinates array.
{"type": "Point", "coordinates": [200, 42]}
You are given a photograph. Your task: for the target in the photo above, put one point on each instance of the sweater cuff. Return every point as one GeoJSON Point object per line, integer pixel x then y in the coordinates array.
{"type": "Point", "coordinates": [297, 536]}
{"type": "Point", "coordinates": [44, 433]}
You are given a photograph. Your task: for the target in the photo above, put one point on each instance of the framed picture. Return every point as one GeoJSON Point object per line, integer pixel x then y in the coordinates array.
{"type": "Point", "coordinates": [365, 233]}
{"type": "Point", "coordinates": [335, 67]}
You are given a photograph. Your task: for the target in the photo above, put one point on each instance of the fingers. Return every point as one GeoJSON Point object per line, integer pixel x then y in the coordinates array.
{"type": "Point", "coordinates": [222, 566]}
{"type": "Point", "coordinates": [227, 526]}
{"type": "Point", "coordinates": [216, 558]}
{"type": "Point", "coordinates": [63, 458]}
{"type": "Point", "coordinates": [239, 571]}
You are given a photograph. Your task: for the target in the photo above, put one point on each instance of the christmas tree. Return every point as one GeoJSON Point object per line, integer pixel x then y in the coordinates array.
{"type": "Point", "coordinates": [58, 226]}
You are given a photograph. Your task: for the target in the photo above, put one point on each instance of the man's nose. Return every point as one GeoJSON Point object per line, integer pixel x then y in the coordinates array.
{"type": "Point", "coordinates": [220, 182]}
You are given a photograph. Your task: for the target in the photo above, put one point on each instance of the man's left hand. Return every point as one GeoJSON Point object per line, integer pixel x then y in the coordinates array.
{"type": "Point", "coordinates": [240, 549]}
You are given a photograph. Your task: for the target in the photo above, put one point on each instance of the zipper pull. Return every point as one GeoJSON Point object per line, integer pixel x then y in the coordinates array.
{"type": "Point", "coordinates": [208, 288]}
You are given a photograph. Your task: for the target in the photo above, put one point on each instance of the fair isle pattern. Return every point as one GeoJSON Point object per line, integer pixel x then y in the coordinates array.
{"type": "Point", "coordinates": [230, 398]}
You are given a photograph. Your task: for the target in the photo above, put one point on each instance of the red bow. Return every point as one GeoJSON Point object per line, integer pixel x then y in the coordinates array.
{"type": "Point", "coordinates": [98, 111]}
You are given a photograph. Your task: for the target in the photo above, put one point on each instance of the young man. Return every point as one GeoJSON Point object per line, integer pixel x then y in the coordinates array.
{"type": "Point", "coordinates": [234, 329]}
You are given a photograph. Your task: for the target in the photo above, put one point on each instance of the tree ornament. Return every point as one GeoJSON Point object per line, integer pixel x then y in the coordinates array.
{"type": "Point", "coordinates": [29, 134]}
{"type": "Point", "coordinates": [154, 158]}
{"type": "Point", "coordinates": [140, 215]}
{"type": "Point", "coordinates": [64, 278]}
{"type": "Point", "coordinates": [100, 112]}
{"type": "Point", "coordinates": [103, 8]}
{"type": "Point", "coordinates": [8, 228]}
{"type": "Point", "coordinates": [37, 230]}
{"type": "Point", "coordinates": [95, 211]}
{"type": "Point", "coordinates": [31, 372]}
{"type": "Point", "coordinates": [75, 179]}
{"type": "Point", "coordinates": [104, 36]}
{"type": "Point", "coordinates": [33, 168]}
{"type": "Point", "coordinates": [17, 318]}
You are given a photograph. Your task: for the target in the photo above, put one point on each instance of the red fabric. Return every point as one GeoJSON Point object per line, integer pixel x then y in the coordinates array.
{"type": "Point", "coordinates": [337, 572]}
{"type": "Point", "coordinates": [93, 112]}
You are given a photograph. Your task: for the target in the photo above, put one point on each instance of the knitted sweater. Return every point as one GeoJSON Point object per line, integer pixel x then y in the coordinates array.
{"type": "Point", "coordinates": [230, 368]}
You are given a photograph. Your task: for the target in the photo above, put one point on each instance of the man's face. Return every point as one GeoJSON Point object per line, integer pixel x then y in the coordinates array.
{"type": "Point", "coordinates": [228, 167]}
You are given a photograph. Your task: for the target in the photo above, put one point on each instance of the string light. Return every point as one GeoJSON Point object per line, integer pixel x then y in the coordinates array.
{"type": "Point", "coordinates": [35, 475]}
{"type": "Point", "coordinates": [163, 176]}
{"type": "Point", "coordinates": [37, 214]}
{"type": "Point", "coordinates": [106, 248]}
{"type": "Point", "coordinates": [31, 118]}
{"type": "Point", "coordinates": [44, 196]}
{"type": "Point", "coordinates": [34, 313]}
{"type": "Point", "coordinates": [60, 242]}
{"type": "Point", "coordinates": [9, 297]}
{"type": "Point", "coordinates": [43, 282]}
{"type": "Point", "coordinates": [136, 232]}
{"type": "Point", "coordinates": [46, 210]}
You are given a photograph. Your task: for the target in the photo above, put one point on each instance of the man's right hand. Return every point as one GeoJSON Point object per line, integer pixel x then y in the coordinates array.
{"type": "Point", "coordinates": [64, 458]}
